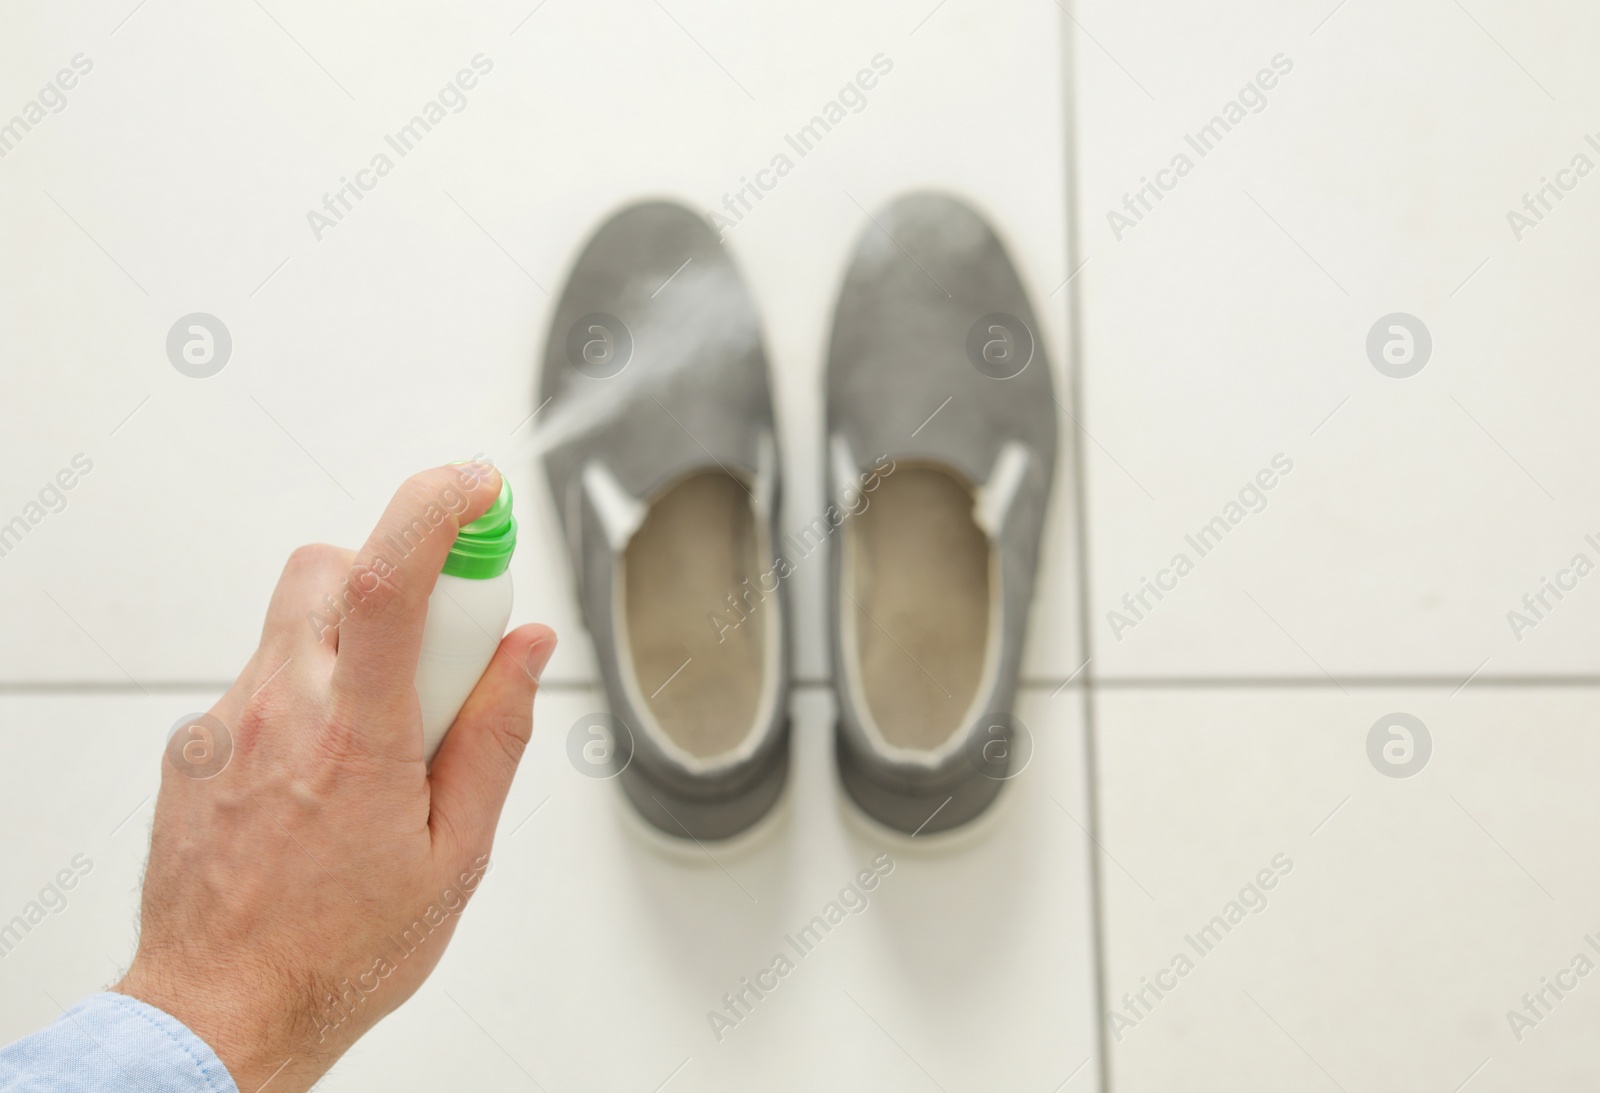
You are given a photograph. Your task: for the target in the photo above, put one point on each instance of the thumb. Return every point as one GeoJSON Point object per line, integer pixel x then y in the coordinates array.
{"type": "Point", "coordinates": [471, 774]}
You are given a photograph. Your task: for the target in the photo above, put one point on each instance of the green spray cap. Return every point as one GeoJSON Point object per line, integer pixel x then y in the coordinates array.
{"type": "Point", "coordinates": [483, 548]}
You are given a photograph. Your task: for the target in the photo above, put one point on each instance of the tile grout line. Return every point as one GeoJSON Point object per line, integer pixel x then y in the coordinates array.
{"type": "Point", "coordinates": [1074, 356]}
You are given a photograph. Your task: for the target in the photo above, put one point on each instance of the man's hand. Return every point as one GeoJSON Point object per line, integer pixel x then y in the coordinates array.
{"type": "Point", "coordinates": [305, 891]}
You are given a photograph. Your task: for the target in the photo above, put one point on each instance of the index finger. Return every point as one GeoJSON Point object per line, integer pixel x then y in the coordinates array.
{"type": "Point", "coordinates": [385, 599]}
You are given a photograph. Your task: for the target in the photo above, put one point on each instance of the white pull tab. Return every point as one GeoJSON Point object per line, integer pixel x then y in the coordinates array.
{"type": "Point", "coordinates": [995, 496]}
{"type": "Point", "coordinates": [846, 473]}
{"type": "Point", "coordinates": [619, 511]}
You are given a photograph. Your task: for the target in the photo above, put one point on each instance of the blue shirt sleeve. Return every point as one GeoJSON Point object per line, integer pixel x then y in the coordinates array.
{"type": "Point", "coordinates": [113, 1042]}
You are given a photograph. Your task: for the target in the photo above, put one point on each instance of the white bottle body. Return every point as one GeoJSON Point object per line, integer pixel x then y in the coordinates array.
{"type": "Point", "coordinates": [466, 620]}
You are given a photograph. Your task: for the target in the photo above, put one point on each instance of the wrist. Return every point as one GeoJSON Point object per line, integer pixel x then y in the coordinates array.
{"type": "Point", "coordinates": [256, 1039]}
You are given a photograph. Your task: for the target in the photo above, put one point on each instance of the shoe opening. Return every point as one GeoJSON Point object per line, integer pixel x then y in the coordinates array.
{"type": "Point", "coordinates": [918, 577]}
{"type": "Point", "coordinates": [693, 611]}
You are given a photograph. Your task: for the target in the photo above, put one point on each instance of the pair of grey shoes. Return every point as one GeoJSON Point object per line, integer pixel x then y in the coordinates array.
{"type": "Point", "coordinates": [663, 462]}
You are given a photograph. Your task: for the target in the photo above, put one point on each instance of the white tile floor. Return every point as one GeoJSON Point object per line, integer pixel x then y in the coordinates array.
{"type": "Point", "coordinates": [589, 960]}
{"type": "Point", "coordinates": [1417, 912]}
{"type": "Point", "coordinates": [1225, 327]}
{"type": "Point", "coordinates": [1229, 324]}
{"type": "Point", "coordinates": [406, 337]}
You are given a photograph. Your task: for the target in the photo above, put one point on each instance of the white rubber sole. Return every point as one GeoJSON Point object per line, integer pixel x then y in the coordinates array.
{"type": "Point", "coordinates": [954, 841]}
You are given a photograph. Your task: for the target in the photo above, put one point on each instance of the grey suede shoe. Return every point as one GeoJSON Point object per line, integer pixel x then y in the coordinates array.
{"type": "Point", "coordinates": [942, 439]}
{"type": "Point", "coordinates": [661, 454]}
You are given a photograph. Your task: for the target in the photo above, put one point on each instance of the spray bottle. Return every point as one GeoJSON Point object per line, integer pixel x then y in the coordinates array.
{"type": "Point", "coordinates": [467, 616]}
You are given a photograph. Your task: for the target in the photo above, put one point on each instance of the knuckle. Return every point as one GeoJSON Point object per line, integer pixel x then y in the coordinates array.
{"type": "Point", "coordinates": [312, 559]}
{"type": "Point", "coordinates": [511, 741]}
{"type": "Point", "coordinates": [340, 738]}
{"type": "Point", "coordinates": [373, 585]}
{"type": "Point", "coordinates": [254, 722]}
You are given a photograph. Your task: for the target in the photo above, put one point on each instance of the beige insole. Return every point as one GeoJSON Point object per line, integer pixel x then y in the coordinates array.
{"type": "Point", "coordinates": [697, 545]}
{"type": "Point", "coordinates": [919, 574]}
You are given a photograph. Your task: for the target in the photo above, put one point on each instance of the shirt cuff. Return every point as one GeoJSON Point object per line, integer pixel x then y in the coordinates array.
{"type": "Point", "coordinates": [112, 1041]}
